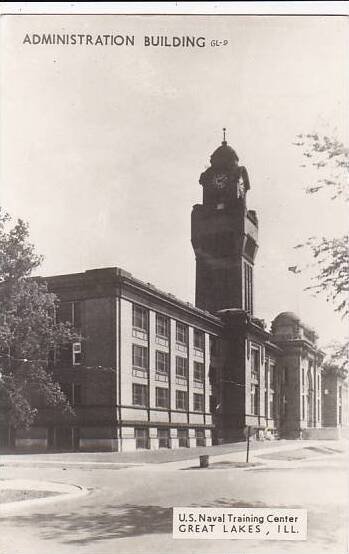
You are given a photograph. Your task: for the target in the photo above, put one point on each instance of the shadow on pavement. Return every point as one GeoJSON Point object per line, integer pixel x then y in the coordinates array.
{"type": "Point", "coordinates": [111, 523]}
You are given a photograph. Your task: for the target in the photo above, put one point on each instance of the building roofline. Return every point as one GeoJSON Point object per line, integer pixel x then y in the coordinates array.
{"type": "Point", "coordinates": [117, 275]}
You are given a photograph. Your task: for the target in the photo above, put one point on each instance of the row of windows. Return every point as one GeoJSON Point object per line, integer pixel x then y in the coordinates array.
{"type": "Point", "coordinates": [162, 363]}
{"type": "Point", "coordinates": [143, 442]}
{"type": "Point", "coordinates": [140, 397]}
{"type": "Point", "coordinates": [140, 320]}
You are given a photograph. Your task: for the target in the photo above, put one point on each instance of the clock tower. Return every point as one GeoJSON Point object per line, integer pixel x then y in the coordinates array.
{"type": "Point", "coordinates": [224, 235]}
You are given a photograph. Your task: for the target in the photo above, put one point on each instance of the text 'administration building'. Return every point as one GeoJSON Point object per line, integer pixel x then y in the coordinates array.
{"type": "Point", "coordinates": [152, 371]}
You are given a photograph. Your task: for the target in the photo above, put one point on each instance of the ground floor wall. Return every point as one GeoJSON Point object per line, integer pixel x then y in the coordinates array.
{"type": "Point", "coordinates": [126, 437]}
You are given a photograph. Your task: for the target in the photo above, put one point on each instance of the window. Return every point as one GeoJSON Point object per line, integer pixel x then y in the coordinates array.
{"type": "Point", "coordinates": [303, 377]}
{"type": "Point", "coordinates": [161, 397]}
{"type": "Point", "coordinates": [199, 339]}
{"type": "Point", "coordinates": [303, 407]}
{"type": "Point", "coordinates": [200, 437]}
{"type": "Point", "coordinates": [271, 407]}
{"type": "Point", "coordinates": [318, 383]}
{"type": "Point", "coordinates": [162, 362]}
{"type": "Point", "coordinates": [181, 400]}
{"type": "Point", "coordinates": [318, 409]}
{"type": "Point", "coordinates": [70, 312]}
{"type": "Point", "coordinates": [199, 372]}
{"type": "Point", "coordinates": [220, 206]}
{"type": "Point", "coordinates": [164, 438]}
{"type": "Point", "coordinates": [255, 363]}
{"type": "Point", "coordinates": [77, 394]}
{"type": "Point", "coordinates": [140, 317]}
{"type": "Point", "coordinates": [162, 326]}
{"type": "Point", "coordinates": [67, 388]}
{"type": "Point", "coordinates": [183, 438]}
{"type": "Point", "coordinates": [248, 288]}
{"type": "Point", "coordinates": [181, 367]}
{"type": "Point", "coordinates": [181, 333]}
{"type": "Point", "coordinates": [199, 402]}
{"type": "Point", "coordinates": [72, 392]}
{"type": "Point", "coordinates": [142, 438]}
{"type": "Point", "coordinates": [76, 315]}
{"type": "Point", "coordinates": [77, 353]}
{"type": "Point", "coordinates": [272, 376]}
{"type": "Point", "coordinates": [254, 400]}
{"type": "Point", "coordinates": [139, 395]}
{"type": "Point", "coordinates": [140, 357]}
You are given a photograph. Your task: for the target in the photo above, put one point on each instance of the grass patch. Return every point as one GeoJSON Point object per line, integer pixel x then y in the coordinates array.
{"type": "Point", "coordinates": [14, 495]}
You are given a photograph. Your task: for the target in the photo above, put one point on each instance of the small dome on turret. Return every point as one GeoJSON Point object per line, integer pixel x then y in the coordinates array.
{"type": "Point", "coordinates": [290, 317]}
{"type": "Point", "coordinates": [288, 325]}
{"type": "Point", "coordinates": [224, 156]}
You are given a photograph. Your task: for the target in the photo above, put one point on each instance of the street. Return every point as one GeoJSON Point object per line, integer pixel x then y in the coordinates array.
{"type": "Point", "coordinates": [129, 507]}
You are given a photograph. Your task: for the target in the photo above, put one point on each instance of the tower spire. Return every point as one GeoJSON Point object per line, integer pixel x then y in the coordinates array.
{"type": "Point", "coordinates": [224, 141]}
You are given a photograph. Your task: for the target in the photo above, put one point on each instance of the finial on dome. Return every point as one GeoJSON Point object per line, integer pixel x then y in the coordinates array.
{"type": "Point", "coordinates": [224, 141]}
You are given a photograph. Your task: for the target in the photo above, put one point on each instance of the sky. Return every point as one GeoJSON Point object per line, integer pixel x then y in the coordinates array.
{"type": "Point", "coordinates": [102, 146]}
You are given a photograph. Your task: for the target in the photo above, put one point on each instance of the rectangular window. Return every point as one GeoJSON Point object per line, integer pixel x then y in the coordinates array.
{"type": "Point", "coordinates": [318, 410]}
{"type": "Point", "coordinates": [77, 354]}
{"type": "Point", "coordinates": [139, 395]}
{"type": "Point", "coordinates": [161, 397]}
{"type": "Point", "coordinates": [77, 394]}
{"type": "Point", "coordinates": [181, 367]}
{"type": "Point", "coordinates": [199, 402]}
{"type": "Point", "coordinates": [65, 312]}
{"type": "Point", "coordinates": [181, 333]}
{"type": "Point", "coordinates": [271, 407]}
{"type": "Point", "coordinates": [164, 438]}
{"type": "Point", "coordinates": [181, 400]}
{"type": "Point", "coordinates": [140, 318]}
{"type": "Point", "coordinates": [183, 441]}
{"type": "Point", "coordinates": [162, 326]}
{"type": "Point", "coordinates": [200, 437]}
{"type": "Point", "coordinates": [199, 340]}
{"type": "Point", "coordinates": [72, 392]}
{"type": "Point", "coordinates": [303, 377]}
{"type": "Point", "coordinates": [67, 388]}
{"type": "Point", "coordinates": [199, 372]}
{"type": "Point", "coordinates": [254, 400]}
{"type": "Point", "coordinates": [162, 362]}
{"type": "Point", "coordinates": [140, 357]}
{"type": "Point", "coordinates": [303, 407]}
{"type": "Point", "coordinates": [76, 314]}
{"type": "Point", "coordinates": [272, 376]}
{"type": "Point", "coordinates": [248, 288]}
{"type": "Point", "coordinates": [142, 438]}
{"type": "Point", "coordinates": [255, 363]}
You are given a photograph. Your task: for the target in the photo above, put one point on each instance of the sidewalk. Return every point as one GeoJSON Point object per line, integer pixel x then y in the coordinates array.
{"type": "Point", "coordinates": [256, 455]}
{"type": "Point", "coordinates": [170, 459]}
{"type": "Point", "coordinates": [162, 456]}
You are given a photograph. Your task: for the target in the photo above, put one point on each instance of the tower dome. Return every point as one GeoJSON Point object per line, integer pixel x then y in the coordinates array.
{"type": "Point", "coordinates": [224, 156]}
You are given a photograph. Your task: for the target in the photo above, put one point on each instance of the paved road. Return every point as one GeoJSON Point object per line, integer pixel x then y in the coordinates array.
{"type": "Point", "coordinates": [129, 511]}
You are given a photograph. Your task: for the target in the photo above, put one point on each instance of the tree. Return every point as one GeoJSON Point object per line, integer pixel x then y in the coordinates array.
{"type": "Point", "coordinates": [29, 332]}
{"type": "Point", "coordinates": [331, 254]}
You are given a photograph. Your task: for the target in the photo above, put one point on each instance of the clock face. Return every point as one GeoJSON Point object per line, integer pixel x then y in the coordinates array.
{"type": "Point", "coordinates": [220, 180]}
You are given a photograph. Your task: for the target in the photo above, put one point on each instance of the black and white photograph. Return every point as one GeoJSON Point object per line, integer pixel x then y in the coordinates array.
{"type": "Point", "coordinates": [174, 276]}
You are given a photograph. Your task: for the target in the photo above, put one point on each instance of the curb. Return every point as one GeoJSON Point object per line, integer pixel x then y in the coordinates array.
{"type": "Point", "coordinates": [65, 492]}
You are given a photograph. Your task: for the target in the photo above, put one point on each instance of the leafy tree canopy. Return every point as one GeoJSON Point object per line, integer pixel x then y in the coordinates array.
{"type": "Point", "coordinates": [28, 331]}
{"type": "Point", "coordinates": [331, 254]}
